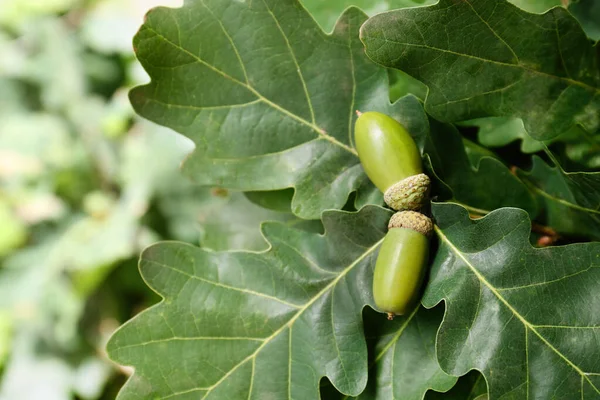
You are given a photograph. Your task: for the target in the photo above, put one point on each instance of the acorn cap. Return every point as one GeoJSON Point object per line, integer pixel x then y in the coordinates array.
{"type": "Point", "coordinates": [412, 220]}
{"type": "Point", "coordinates": [408, 194]}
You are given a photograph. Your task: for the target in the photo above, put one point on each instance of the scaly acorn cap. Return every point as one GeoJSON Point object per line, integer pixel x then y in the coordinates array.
{"type": "Point", "coordinates": [412, 220]}
{"type": "Point", "coordinates": [408, 194]}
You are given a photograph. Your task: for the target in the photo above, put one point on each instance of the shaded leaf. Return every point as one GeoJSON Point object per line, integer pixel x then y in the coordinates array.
{"type": "Point", "coordinates": [579, 145]}
{"type": "Point", "coordinates": [526, 318]}
{"type": "Point", "coordinates": [582, 147]}
{"type": "Point", "coordinates": [570, 201]}
{"type": "Point", "coordinates": [327, 12]}
{"type": "Point", "coordinates": [448, 162]}
{"type": "Point", "coordinates": [220, 221]}
{"type": "Point", "coordinates": [587, 13]}
{"type": "Point", "coordinates": [476, 153]}
{"type": "Point", "coordinates": [500, 131]}
{"type": "Point", "coordinates": [489, 58]}
{"type": "Point", "coordinates": [402, 84]}
{"type": "Point", "coordinates": [280, 200]}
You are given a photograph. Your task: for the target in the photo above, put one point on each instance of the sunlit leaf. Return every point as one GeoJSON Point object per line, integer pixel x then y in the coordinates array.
{"type": "Point", "coordinates": [525, 317]}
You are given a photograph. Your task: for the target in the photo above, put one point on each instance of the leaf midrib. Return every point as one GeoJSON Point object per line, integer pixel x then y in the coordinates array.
{"type": "Point", "coordinates": [505, 64]}
{"type": "Point", "coordinates": [321, 132]}
{"type": "Point", "coordinates": [288, 324]}
{"type": "Point", "coordinates": [528, 326]}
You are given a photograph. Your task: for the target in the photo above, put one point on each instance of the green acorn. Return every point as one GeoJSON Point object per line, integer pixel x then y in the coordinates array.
{"type": "Point", "coordinates": [391, 160]}
{"type": "Point", "coordinates": [401, 264]}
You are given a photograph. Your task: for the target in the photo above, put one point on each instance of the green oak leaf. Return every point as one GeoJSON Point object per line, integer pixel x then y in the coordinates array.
{"type": "Point", "coordinates": [487, 186]}
{"type": "Point", "coordinates": [587, 13]}
{"type": "Point", "coordinates": [270, 104]}
{"type": "Point", "coordinates": [500, 131]}
{"type": "Point", "coordinates": [253, 325]}
{"type": "Point", "coordinates": [526, 318]}
{"type": "Point", "coordinates": [579, 145]}
{"type": "Point", "coordinates": [570, 202]}
{"type": "Point", "coordinates": [246, 325]}
{"type": "Point", "coordinates": [327, 12]}
{"type": "Point", "coordinates": [583, 148]}
{"type": "Point", "coordinates": [489, 58]}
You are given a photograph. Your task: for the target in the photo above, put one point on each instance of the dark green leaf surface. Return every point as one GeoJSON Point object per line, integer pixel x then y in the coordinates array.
{"type": "Point", "coordinates": [252, 325]}
{"type": "Point", "coordinates": [488, 186]}
{"type": "Point", "coordinates": [570, 202]}
{"type": "Point", "coordinates": [526, 318]}
{"type": "Point", "coordinates": [268, 97]}
{"type": "Point", "coordinates": [587, 13]}
{"type": "Point", "coordinates": [579, 145]}
{"type": "Point", "coordinates": [292, 315]}
{"type": "Point", "coordinates": [489, 58]}
{"type": "Point", "coordinates": [476, 152]}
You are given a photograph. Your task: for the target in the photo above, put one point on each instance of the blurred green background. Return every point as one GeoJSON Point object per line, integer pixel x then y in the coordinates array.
{"type": "Point", "coordinates": [84, 186]}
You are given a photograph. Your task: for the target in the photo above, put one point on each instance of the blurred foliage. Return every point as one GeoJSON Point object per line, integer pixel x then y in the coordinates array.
{"type": "Point", "coordinates": [82, 189]}
{"type": "Point", "coordinates": [82, 192]}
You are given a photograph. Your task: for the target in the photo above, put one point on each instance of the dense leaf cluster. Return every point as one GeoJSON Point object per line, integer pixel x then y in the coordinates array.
{"type": "Point", "coordinates": [269, 98]}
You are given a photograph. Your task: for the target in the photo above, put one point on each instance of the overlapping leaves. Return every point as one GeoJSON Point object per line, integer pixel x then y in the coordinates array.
{"type": "Point", "coordinates": [294, 90]}
{"type": "Point", "coordinates": [489, 58]}
{"type": "Point", "coordinates": [570, 202]}
{"type": "Point", "coordinates": [238, 325]}
{"type": "Point", "coordinates": [268, 97]}
{"type": "Point", "coordinates": [444, 152]}
{"type": "Point", "coordinates": [253, 325]}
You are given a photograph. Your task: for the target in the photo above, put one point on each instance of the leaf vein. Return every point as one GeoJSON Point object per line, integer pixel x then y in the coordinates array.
{"type": "Point", "coordinates": [247, 291]}
{"type": "Point", "coordinates": [298, 69]}
{"type": "Point", "coordinates": [321, 132]}
{"type": "Point", "coordinates": [526, 323]}
{"type": "Point", "coordinates": [518, 66]}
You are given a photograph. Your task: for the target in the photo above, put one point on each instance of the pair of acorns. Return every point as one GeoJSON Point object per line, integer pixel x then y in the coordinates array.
{"type": "Point", "coordinates": [392, 162]}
